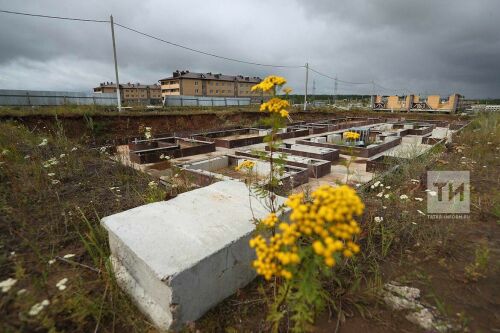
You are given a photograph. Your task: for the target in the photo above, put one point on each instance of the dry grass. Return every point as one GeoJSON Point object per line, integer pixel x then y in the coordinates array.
{"type": "Point", "coordinates": [40, 220]}
{"type": "Point", "coordinates": [49, 212]}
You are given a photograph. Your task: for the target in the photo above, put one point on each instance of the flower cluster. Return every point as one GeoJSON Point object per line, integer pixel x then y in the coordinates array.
{"type": "Point", "coordinates": [246, 165]}
{"type": "Point", "coordinates": [269, 83]}
{"type": "Point", "coordinates": [279, 252]}
{"type": "Point", "coordinates": [327, 224]}
{"type": "Point", "coordinates": [351, 135]}
{"type": "Point", "coordinates": [147, 133]}
{"type": "Point", "coordinates": [271, 220]}
{"type": "Point", "coordinates": [276, 105]}
{"type": "Point", "coordinates": [287, 90]}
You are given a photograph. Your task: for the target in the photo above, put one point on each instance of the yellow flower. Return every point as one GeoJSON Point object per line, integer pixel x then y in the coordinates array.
{"type": "Point", "coordinates": [269, 83]}
{"type": "Point", "coordinates": [270, 220]}
{"type": "Point", "coordinates": [274, 105]}
{"type": "Point", "coordinates": [248, 165]}
{"type": "Point", "coordinates": [326, 223]}
{"type": "Point", "coordinates": [284, 113]}
{"type": "Point", "coordinates": [287, 90]}
{"type": "Point", "coordinates": [351, 135]}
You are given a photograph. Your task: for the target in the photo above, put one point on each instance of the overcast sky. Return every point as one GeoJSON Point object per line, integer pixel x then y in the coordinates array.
{"type": "Point", "coordinates": [425, 46]}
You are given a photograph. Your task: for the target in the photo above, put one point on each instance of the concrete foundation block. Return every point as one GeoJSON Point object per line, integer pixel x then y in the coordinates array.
{"type": "Point", "coordinates": [179, 258]}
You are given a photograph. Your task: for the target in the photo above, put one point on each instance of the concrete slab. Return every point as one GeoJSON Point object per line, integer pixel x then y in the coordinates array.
{"type": "Point", "coordinates": [179, 258]}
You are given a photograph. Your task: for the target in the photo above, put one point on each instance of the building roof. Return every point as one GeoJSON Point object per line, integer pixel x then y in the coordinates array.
{"type": "Point", "coordinates": [212, 76]}
{"type": "Point", "coordinates": [130, 85]}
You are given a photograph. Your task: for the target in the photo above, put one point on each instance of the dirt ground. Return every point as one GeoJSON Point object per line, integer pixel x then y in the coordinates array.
{"type": "Point", "coordinates": [455, 263]}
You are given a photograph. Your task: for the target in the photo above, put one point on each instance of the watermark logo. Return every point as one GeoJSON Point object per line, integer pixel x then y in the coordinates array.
{"type": "Point", "coordinates": [448, 194]}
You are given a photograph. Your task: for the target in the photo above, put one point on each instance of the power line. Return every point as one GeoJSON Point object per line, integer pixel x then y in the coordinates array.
{"type": "Point", "coordinates": [54, 17]}
{"type": "Point", "coordinates": [336, 79]}
{"type": "Point", "coordinates": [203, 52]}
{"type": "Point", "coordinates": [194, 50]}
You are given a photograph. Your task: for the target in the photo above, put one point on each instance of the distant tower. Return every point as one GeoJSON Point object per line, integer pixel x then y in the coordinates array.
{"type": "Point", "coordinates": [314, 89]}
{"type": "Point", "coordinates": [335, 88]}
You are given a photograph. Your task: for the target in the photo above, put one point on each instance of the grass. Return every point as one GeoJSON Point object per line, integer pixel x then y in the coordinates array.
{"type": "Point", "coordinates": [49, 212]}
{"type": "Point", "coordinates": [42, 219]}
{"type": "Point", "coordinates": [107, 111]}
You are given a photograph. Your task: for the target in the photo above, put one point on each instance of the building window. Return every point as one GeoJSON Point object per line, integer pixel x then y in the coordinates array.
{"type": "Point", "coordinates": [211, 91]}
{"type": "Point", "coordinates": [195, 83]}
{"type": "Point", "coordinates": [217, 91]}
{"type": "Point", "coordinates": [216, 83]}
{"type": "Point", "coordinates": [196, 91]}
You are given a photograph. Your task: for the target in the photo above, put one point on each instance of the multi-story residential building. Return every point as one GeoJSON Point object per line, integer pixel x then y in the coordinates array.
{"type": "Point", "coordinates": [187, 83]}
{"type": "Point", "coordinates": [133, 94]}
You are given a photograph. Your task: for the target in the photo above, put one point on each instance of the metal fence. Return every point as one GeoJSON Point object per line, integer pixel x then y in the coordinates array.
{"type": "Point", "coordinates": [205, 101]}
{"type": "Point", "coordinates": [50, 98]}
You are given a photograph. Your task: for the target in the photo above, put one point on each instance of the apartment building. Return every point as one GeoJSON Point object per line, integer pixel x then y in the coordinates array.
{"type": "Point", "coordinates": [133, 93]}
{"type": "Point", "coordinates": [187, 83]}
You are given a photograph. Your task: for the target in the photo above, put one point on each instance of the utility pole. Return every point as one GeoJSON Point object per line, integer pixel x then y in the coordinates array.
{"type": "Point", "coordinates": [335, 88]}
{"type": "Point", "coordinates": [307, 79]}
{"type": "Point", "coordinates": [118, 97]}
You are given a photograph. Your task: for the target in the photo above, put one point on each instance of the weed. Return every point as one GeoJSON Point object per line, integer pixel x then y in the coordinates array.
{"type": "Point", "coordinates": [479, 267]}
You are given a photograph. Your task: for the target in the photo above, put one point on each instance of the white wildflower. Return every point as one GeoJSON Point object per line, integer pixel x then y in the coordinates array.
{"type": "Point", "coordinates": [51, 174]}
{"type": "Point", "coordinates": [13, 254]}
{"type": "Point", "coordinates": [74, 149]}
{"type": "Point", "coordinates": [152, 184]}
{"type": "Point", "coordinates": [403, 197]}
{"type": "Point", "coordinates": [414, 223]}
{"type": "Point", "coordinates": [415, 180]}
{"type": "Point", "coordinates": [36, 308]}
{"type": "Point", "coordinates": [69, 255]}
{"type": "Point", "coordinates": [280, 183]}
{"type": "Point", "coordinates": [147, 133]}
{"type": "Point", "coordinates": [50, 162]}
{"type": "Point", "coordinates": [387, 196]}
{"type": "Point", "coordinates": [419, 199]}
{"type": "Point", "coordinates": [176, 175]}
{"type": "Point", "coordinates": [378, 219]}
{"type": "Point", "coordinates": [376, 184]}
{"type": "Point", "coordinates": [61, 285]}
{"type": "Point", "coordinates": [102, 149]}
{"type": "Point", "coordinates": [51, 261]}
{"type": "Point", "coordinates": [380, 194]}
{"type": "Point", "coordinates": [62, 155]}
{"type": "Point", "coordinates": [55, 181]}
{"type": "Point", "coordinates": [420, 212]}
{"type": "Point", "coordinates": [43, 143]}
{"type": "Point", "coordinates": [26, 157]}
{"type": "Point", "coordinates": [384, 207]}
{"type": "Point", "coordinates": [21, 291]}
{"type": "Point", "coordinates": [388, 187]}
{"type": "Point", "coordinates": [5, 152]}
{"type": "Point", "coordinates": [7, 284]}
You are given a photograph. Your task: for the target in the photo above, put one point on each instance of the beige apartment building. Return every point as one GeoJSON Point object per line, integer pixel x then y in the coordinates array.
{"type": "Point", "coordinates": [187, 83]}
{"type": "Point", "coordinates": [133, 93]}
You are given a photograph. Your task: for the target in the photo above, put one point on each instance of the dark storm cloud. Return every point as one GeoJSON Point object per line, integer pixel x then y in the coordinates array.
{"type": "Point", "coordinates": [425, 46]}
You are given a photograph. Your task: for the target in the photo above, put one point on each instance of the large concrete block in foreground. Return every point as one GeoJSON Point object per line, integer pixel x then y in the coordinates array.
{"type": "Point", "coordinates": [179, 258]}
